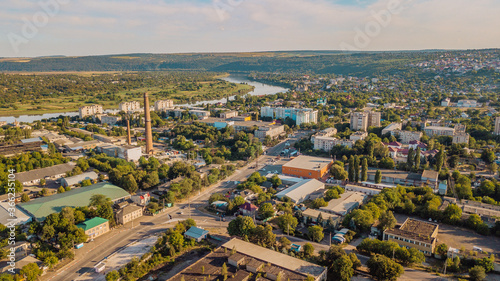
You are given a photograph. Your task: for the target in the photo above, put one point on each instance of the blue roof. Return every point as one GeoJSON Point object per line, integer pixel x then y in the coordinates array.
{"type": "Point", "coordinates": [196, 232]}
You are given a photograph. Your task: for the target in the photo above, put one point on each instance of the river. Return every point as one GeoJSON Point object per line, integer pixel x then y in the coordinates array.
{"type": "Point", "coordinates": [259, 90]}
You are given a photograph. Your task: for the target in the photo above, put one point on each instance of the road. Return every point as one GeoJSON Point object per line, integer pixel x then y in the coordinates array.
{"type": "Point", "coordinates": [94, 252]}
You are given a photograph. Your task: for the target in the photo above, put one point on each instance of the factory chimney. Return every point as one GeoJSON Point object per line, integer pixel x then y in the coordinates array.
{"type": "Point", "coordinates": [129, 140]}
{"type": "Point", "coordinates": [147, 121]}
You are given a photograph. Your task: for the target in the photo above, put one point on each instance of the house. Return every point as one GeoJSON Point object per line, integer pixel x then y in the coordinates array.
{"type": "Point", "coordinates": [347, 202]}
{"type": "Point", "coordinates": [128, 213]}
{"type": "Point", "coordinates": [94, 227]}
{"type": "Point", "coordinates": [248, 209]}
{"type": "Point", "coordinates": [312, 215]}
{"type": "Point", "coordinates": [141, 198]}
{"type": "Point", "coordinates": [196, 233]}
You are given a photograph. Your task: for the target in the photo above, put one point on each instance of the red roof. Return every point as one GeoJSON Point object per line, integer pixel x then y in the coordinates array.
{"type": "Point", "coordinates": [248, 207]}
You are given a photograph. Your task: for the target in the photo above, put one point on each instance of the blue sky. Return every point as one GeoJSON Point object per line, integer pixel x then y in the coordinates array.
{"type": "Point", "coordinates": [92, 27]}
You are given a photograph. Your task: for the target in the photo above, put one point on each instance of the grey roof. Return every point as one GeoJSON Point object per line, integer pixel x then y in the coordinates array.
{"type": "Point", "coordinates": [31, 140]}
{"type": "Point", "coordinates": [275, 258]}
{"type": "Point", "coordinates": [346, 202]}
{"type": "Point", "coordinates": [5, 216]}
{"type": "Point", "coordinates": [79, 178]}
{"type": "Point", "coordinates": [299, 191]}
{"type": "Point", "coordinates": [45, 172]}
{"type": "Point", "coordinates": [196, 232]}
{"type": "Point", "coordinates": [129, 209]}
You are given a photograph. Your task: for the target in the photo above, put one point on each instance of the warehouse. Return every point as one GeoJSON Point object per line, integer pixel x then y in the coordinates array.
{"type": "Point", "coordinates": [300, 191]}
{"type": "Point", "coordinates": [40, 208]}
{"type": "Point", "coordinates": [54, 172]}
{"type": "Point", "coordinates": [307, 167]}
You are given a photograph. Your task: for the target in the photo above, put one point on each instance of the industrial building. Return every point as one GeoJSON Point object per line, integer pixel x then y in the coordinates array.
{"type": "Point", "coordinates": [26, 145]}
{"type": "Point", "coordinates": [347, 202]}
{"type": "Point", "coordinates": [300, 191]}
{"type": "Point", "coordinates": [417, 234]}
{"type": "Point", "coordinates": [40, 208]}
{"type": "Point", "coordinates": [48, 173]}
{"type": "Point", "coordinates": [74, 180]}
{"type": "Point", "coordinates": [127, 152]}
{"type": "Point", "coordinates": [244, 259]}
{"type": "Point", "coordinates": [307, 167]}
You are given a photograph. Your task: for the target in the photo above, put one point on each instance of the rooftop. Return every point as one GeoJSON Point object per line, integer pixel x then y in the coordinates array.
{"type": "Point", "coordinates": [313, 213]}
{"type": "Point", "coordinates": [274, 258]}
{"type": "Point", "coordinates": [45, 172]}
{"type": "Point", "coordinates": [81, 177]}
{"type": "Point", "coordinates": [301, 190]}
{"type": "Point", "coordinates": [345, 203]}
{"type": "Point", "coordinates": [89, 224]}
{"type": "Point", "coordinates": [196, 232]}
{"type": "Point", "coordinates": [308, 163]}
{"type": "Point", "coordinates": [417, 230]}
{"type": "Point", "coordinates": [40, 208]}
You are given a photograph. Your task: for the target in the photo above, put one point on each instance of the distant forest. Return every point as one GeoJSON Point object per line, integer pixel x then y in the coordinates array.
{"type": "Point", "coordinates": [318, 62]}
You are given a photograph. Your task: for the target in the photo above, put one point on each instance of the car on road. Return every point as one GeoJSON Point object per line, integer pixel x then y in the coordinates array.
{"type": "Point", "coordinates": [180, 213]}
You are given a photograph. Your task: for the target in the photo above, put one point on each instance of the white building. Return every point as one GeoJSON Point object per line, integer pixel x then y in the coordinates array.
{"type": "Point", "coordinates": [360, 121]}
{"type": "Point", "coordinates": [327, 143]}
{"type": "Point", "coordinates": [445, 102]}
{"type": "Point", "coordinates": [359, 135]}
{"type": "Point", "coordinates": [162, 104]}
{"type": "Point", "coordinates": [110, 120]}
{"type": "Point", "coordinates": [347, 202]}
{"type": "Point", "coordinates": [328, 132]}
{"type": "Point", "coordinates": [461, 138]}
{"type": "Point", "coordinates": [127, 152]}
{"type": "Point", "coordinates": [300, 191]}
{"type": "Point", "coordinates": [90, 110]}
{"type": "Point", "coordinates": [74, 180]}
{"type": "Point", "coordinates": [391, 128]}
{"type": "Point", "coordinates": [467, 103]}
{"type": "Point", "coordinates": [272, 131]}
{"type": "Point", "coordinates": [299, 115]}
{"type": "Point", "coordinates": [129, 106]}
{"type": "Point", "coordinates": [497, 126]}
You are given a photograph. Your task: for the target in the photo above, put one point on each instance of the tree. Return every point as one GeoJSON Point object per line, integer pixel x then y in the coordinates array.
{"type": "Point", "coordinates": [129, 184]}
{"type": "Point", "coordinates": [378, 176]}
{"type": "Point", "coordinates": [241, 226]}
{"type": "Point", "coordinates": [112, 276]}
{"type": "Point", "coordinates": [355, 261]}
{"type": "Point", "coordinates": [42, 182]}
{"type": "Point", "coordinates": [331, 194]}
{"type": "Point", "coordinates": [86, 182]}
{"type": "Point", "coordinates": [442, 250]}
{"type": "Point", "coordinates": [387, 220]}
{"type": "Point", "coordinates": [452, 214]}
{"type": "Point", "coordinates": [477, 273]}
{"type": "Point", "coordinates": [238, 200]}
{"type": "Point", "coordinates": [97, 200]}
{"type": "Point", "coordinates": [61, 190]}
{"type": "Point", "coordinates": [383, 268]}
{"type": "Point", "coordinates": [308, 249]}
{"type": "Point", "coordinates": [276, 181]}
{"type": "Point", "coordinates": [364, 170]}
{"type": "Point", "coordinates": [356, 169]}
{"type": "Point", "coordinates": [223, 270]}
{"type": "Point", "coordinates": [176, 240]}
{"type": "Point", "coordinates": [266, 210]}
{"type": "Point", "coordinates": [318, 203]}
{"type": "Point", "coordinates": [352, 173]}
{"type": "Point", "coordinates": [31, 271]}
{"type": "Point", "coordinates": [284, 242]}
{"type": "Point", "coordinates": [338, 172]}
{"type": "Point", "coordinates": [316, 233]}
{"type": "Point", "coordinates": [287, 223]}
{"type": "Point", "coordinates": [416, 257]}
{"type": "Point", "coordinates": [25, 198]}
{"type": "Point", "coordinates": [342, 269]}
{"type": "Point", "coordinates": [417, 158]}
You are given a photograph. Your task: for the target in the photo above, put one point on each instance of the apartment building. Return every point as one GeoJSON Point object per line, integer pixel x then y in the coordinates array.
{"type": "Point", "coordinates": [359, 135]}
{"type": "Point", "coordinates": [90, 110]}
{"type": "Point", "coordinates": [273, 131]}
{"type": "Point", "coordinates": [328, 132]}
{"type": "Point", "coordinates": [461, 138]}
{"type": "Point", "coordinates": [229, 114]}
{"type": "Point", "coordinates": [360, 121]}
{"type": "Point", "coordinates": [129, 106]}
{"type": "Point", "coordinates": [417, 234]}
{"type": "Point", "coordinates": [408, 136]}
{"type": "Point", "coordinates": [327, 143]}
{"type": "Point", "coordinates": [299, 115]}
{"type": "Point", "coordinates": [162, 104]}
{"type": "Point", "coordinates": [497, 126]}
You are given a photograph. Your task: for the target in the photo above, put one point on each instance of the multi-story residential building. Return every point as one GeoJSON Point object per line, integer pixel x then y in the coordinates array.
{"type": "Point", "coordinates": [391, 128]}
{"type": "Point", "coordinates": [461, 138]}
{"type": "Point", "coordinates": [110, 120]}
{"type": "Point", "coordinates": [129, 106]}
{"type": "Point", "coordinates": [200, 114]}
{"type": "Point", "coordinates": [128, 213]}
{"type": "Point", "coordinates": [162, 104]}
{"type": "Point", "coordinates": [272, 131]}
{"type": "Point", "coordinates": [327, 143]}
{"type": "Point", "coordinates": [299, 115]}
{"type": "Point", "coordinates": [229, 114]}
{"type": "Point", "coordinates": [90, 110]}
{"type": "Point", "coordinates": [467, 103]}
{"type": "Point", "coordinates": [328, 132]}
{"type": "Point", "coordinates": [445, 102]}
{"type": "Point", "coordinates": [497, 126]}
{"type": "Point", "coordinates": [417, 234]}
{"type": "Point", "coordinates": [439, 131]}
{"type": "Point", "coordinates": [360, 121]}
{"type": "Point", "coordinates": [409, 136]}
{"type": "Point", "coordinates": [358, 135]}
{"type": "Point", "coordinates": [127, 152]}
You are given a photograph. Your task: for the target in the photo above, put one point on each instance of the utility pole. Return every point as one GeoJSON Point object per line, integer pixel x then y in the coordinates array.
{"type": "Point", "coordinates": [393, 250]}
{"type": "Point", "coordinates": [288, 229]}
{"type": "Point", "coordinates": [445, 264]}
{"type": "Point", "coordinates": [330, 239]}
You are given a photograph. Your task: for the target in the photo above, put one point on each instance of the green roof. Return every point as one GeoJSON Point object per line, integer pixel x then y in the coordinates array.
{"type": "Point", "coordinates": [40, 208]}
{"type": "Point", "coordinates": [88, 224]}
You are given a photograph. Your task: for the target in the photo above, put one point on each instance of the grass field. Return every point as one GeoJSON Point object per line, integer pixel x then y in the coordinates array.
{"type": "Point", "coordinates": [206, 91]}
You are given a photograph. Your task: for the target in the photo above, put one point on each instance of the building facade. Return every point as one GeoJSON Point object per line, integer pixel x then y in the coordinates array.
{"type": "Point", "coordinates": [128, 213]}
{"type": "Point", "coordinates": [95, 227]}
{"type": "Point", "coordinates": [299, 115]}
{"type": "Point", "coordinates": [497, 126]}
{"type": "Point", "coordinates": [327, 143]}
{"type": "Point", "coordinates": [110, 120]}
{"type": "Point", "coordinates": [163, 104]}
{"type": "Point", "coordinates": [129, 106]}
{"type": "Point", "coordinates": [417, 234]}
{"type": "Point", "coordinates": [90, 110]}
{"type": "Point", "coordinates": [360, 121]}
{"type": "Point", "coordinates": [273, 131]}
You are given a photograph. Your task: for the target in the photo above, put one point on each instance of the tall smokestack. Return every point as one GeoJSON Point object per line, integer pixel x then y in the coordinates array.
{"type": "Point", "coordinates": [129, 140]}
{"type": "Point", "coordinates": [147, 121]}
